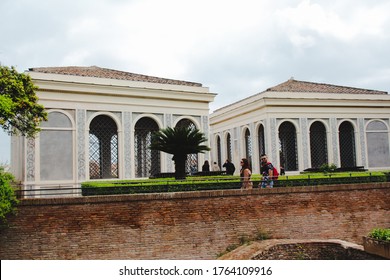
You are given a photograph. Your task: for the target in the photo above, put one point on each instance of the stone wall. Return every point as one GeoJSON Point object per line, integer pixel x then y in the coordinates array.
{"type": "Point", "coordinates": [191, 225]}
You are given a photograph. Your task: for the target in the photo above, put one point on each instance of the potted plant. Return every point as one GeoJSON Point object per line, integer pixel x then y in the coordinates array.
{"type": "Point", "coordinates": [378, 242]}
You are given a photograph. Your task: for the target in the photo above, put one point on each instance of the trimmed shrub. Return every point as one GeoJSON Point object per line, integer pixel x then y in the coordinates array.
{"type": "Point", "coordinates": [195, 183]}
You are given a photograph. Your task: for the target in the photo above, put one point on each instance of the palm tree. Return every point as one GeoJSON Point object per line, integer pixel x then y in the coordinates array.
{"type": "Point", "coordinates": [179, 141]}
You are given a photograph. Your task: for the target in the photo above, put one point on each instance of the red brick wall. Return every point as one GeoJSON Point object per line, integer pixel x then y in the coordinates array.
{"type": "Point", "coordinates": [192, 225]}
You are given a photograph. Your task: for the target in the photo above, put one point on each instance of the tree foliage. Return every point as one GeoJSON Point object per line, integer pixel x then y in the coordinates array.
{"type": "Point", "coordinates": [179, 141]}
{"type": "Point", "coordinates": [19, 111]}
{"type": "Point", "coordinates": [8, 199]}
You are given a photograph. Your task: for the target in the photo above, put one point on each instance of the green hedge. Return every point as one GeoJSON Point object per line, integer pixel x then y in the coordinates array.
{"type": "Point", "coordinates": [220, 182]}
{"type": "Point", "coordinates": [313, 181]}
{"type": "Point", "coordinates": [105, 188]}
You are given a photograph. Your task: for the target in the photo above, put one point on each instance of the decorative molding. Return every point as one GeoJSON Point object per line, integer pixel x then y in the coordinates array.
{"type": "Point", "coordinates": [305, 142]}
{"type": "Point", "coordinates": [127, 119]}
{"type": "Point", "coordinates": [361, 126]}
{"type": "Point", "coordinates": [205, 124]}
{"type": "Point", "coordinates": [81, 143]}
{"type": "Point", "coordinates": [274, 140]}
{"type": "Point", "coordinates": [335, 143]}
{"type": "Point", "coordinates": [168, 120]}
{"type": "Point", "coordinates": [168, 157]}
{"type": "Point", "coordinates": [30, 159]}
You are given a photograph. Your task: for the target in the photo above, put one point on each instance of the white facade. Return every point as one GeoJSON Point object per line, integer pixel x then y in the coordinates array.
{"type": "Point", "coordinates": [60, 156]}
{"type": "Point", "coordinates": [300, 125]}
{"type": "Point", "coordinates": [365, 114]}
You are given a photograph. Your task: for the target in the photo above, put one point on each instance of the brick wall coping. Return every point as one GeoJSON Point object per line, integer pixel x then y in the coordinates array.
{"type": "Point", "coordinates": [249, 251]}
{"type": "Point", "coordinates": [198, 194]}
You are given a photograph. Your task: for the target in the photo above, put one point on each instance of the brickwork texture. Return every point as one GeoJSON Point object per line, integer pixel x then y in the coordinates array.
{"type": "Point", "coordinates": [190, 225]}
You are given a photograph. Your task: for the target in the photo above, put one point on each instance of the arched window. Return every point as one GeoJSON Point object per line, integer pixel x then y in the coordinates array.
{"type": "Point", "coordinates": [192, 159]}
{"type": "Point", "coordinates": [56, 147]}
{"type": "Point", "coordinates": [318, 145]}
{"type": "Point", "coordinates": [103, 148]}
{"type": "Point", "coordinates": [378, 144]}
{"type": "Point", "coordinates": [347, 145]}
{"type": "Point", "coordinates": [229, 150]}
{"type": "Point", "coordinates": [288, 146]}
{"type": "Point", "coordinates": [248, 146]}
{"type": "Point", "coordinates": [219, 153]}
{"type": "Point", "coordinates": [147, 161]}
{"type": "Point", "coordinates": [261, 139]}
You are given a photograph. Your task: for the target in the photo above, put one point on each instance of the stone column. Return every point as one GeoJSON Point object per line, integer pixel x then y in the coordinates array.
{"type": "Point", "coordinates": [170, 167]}
{"type": "Point", "coordinates": [127, 120]}
{"type": "Point", "coordinates": [335, 141]}
{"type": "Point", "coordinates": [304, 143]}
{"type": "Point", "coordinates": [362, 139]}
{"type": "Point", "coordinates": [272, 134]}
{"type": "Point", "coordinates": [81, 144]}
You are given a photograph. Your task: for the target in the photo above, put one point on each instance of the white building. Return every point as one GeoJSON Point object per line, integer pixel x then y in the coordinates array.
{"type": "Point", "coordinates": [99, 126]}
{"type": "Point", "coordinates": [100, 123]}
{"type": "Point", "coordinates": [302, 125]}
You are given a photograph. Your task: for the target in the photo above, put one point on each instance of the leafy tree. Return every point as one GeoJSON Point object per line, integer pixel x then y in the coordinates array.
{"type": "Point", "coordinates": [19, 111]}
{"type": "Point", "coordinates": [179, 141]}
{"type": "Point", "coordinates": [8, 199]}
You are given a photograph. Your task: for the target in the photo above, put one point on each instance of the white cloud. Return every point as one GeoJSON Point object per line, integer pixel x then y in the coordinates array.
{"type": "Point", "coordinates": [236, 48]}
{"type": "Point", "coordinates": [345, 24]}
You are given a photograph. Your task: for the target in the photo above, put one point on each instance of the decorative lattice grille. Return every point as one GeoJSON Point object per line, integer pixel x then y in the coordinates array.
{"type": "Point", "coordinates": [147, 161]}
{"type": "Point", "coordinates": [318, 145]}
{"type": "Point", "coordinates": [229, 147]}
{"type": "Point", "coordinates": [103, 148]}
{"type": "Point", "coordinates": [248, 146]}
{"type": "Point", "coordinates": [347, 145]}
{"type": "Point", "coordinates": [261, 140]}
{"type": "Point", "coordinates": [288, 146]}
{"type": "Point", "coordinates": [219, 151]}
{"type": "Point", "coordinates": [192, 159]}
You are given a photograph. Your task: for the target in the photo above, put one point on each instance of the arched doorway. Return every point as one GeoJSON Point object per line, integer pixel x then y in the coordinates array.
{"type": "Point", "coordinates": [229, 149]}
{"type": "Point", "coordinates": [147, 161]}
{"type": "Point", "coordinates": [318, 145]}
{"type": "Point", "coordinates": [261, 139]}
{"type": "Point", "coordinates": [288, 146]}
{"type": "Point", "coordinates": [103, 148]}
{"type": "Point", "coordinates": [192, 159]}
{"type": "Point", "coordinates": [347, 145]}
{"type": "Point", "coordinates": [219, 152]}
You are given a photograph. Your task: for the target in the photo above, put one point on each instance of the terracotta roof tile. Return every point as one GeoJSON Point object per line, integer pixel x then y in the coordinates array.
{"type": "Point", "coordinates": [300, 86]}
{"type": "Point", "coordinates": [94, 71]}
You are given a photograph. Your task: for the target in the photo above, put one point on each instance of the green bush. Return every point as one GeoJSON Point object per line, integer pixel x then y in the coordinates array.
{"type": "Point", "coordinates": [8, 199]}
{"type": "Point", "coordinates": [327, 168]}
{"type": "Point", "coordinates": [380, 234]}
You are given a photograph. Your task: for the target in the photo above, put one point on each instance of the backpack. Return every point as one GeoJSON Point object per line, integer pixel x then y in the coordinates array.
{"type": "Point", "coordinates": [276, 173]}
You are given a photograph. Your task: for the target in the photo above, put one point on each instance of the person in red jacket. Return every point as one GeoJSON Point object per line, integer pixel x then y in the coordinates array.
{"type": "Point", "coordinates": [267, 172]}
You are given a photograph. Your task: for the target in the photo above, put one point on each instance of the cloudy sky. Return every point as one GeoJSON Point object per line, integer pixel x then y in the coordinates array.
{"type": "Point", "coordinates": [236, 48]}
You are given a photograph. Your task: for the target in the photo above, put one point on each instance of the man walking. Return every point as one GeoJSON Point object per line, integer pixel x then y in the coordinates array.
{"type": "Point", "coordinates": [267, 172]}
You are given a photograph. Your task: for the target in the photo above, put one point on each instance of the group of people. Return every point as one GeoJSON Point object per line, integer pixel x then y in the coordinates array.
{"type": "Point", "coordinates": [266, 170]}
{"type": "Point", "coordinates": [230, 168]}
